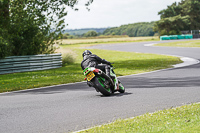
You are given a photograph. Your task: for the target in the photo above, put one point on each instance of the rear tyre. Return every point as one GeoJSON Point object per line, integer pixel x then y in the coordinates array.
{"type": "Point", "coordinates": [99, 84]}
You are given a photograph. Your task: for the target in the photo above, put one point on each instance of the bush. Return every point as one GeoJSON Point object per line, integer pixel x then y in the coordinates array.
{"type": "Point", "coordinates": [174, 32]}
{"type": "Point", "coordinates": [3, 48]}
{"type": "Point", "coordinates": [171, 32]}
{"type": "Point", "coordinates": [90, 34]}
{"type": "Point", "coordinates": [4, 44]}
{"type": "Point", "coordinates": [68, 57]}
{"type": "Point", "coordinates": [65, 36]}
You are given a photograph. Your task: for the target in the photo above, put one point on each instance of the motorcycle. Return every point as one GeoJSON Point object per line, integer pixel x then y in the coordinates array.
{"type": "Point", "coordinates": [103, 83]}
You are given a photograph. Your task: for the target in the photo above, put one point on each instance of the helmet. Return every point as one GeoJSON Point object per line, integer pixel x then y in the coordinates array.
{"type": "Point", "coordinates": [86, 52]}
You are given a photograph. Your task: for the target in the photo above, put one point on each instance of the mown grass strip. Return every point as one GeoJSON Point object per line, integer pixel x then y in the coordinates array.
{"type": "Point", "coordinates": [191, 43]}
{"type": "Point", "coordinates": [185, 119]}
{"type": "Point", "coordinates": [126, 63]}
{"type": "Point", "coordinates": [108, 40]}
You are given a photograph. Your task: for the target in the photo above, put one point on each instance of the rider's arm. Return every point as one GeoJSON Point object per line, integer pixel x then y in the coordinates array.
{"type": "Point", "coordinates": [102, 60]}
{"type": "Point", "coordinates": [82, 65]}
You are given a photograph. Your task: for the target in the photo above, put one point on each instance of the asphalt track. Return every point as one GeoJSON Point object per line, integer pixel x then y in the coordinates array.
{"type": "Point", "coordinates": [73, 107]}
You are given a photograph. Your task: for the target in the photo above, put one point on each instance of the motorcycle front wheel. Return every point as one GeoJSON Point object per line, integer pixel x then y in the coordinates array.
{"type": "Point", "coordinates": [121, 87]}
{"type": "Point", "coordinates": [99, 84]}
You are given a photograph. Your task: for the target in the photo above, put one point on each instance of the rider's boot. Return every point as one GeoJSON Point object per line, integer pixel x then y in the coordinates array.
{"type": "Point", "coordinates": [107, 69]}
{"type": "Point", "coordinates": [117, 87]}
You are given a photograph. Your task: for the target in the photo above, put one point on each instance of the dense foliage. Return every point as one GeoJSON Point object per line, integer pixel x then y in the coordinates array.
{"type": "Point", "coordinates": [84, 35]}
{"type": "Point", "coordinates": [30, 26]}
{"type": "Point", "coordinates": [90, 34]}
{"type": "Point", "coordinates": [132, 30]}
{"type": "Point", "coordinates": [78, 32]}
{"type": "Point", "coordinates": [184, 15]}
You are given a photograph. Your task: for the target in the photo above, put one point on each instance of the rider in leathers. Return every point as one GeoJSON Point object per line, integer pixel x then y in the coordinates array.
{"type": "Point", "coordinates": [92, 60]}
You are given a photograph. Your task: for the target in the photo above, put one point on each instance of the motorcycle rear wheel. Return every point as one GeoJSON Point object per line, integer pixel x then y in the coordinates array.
{"type": "Point", "coordinates": [99, 84]}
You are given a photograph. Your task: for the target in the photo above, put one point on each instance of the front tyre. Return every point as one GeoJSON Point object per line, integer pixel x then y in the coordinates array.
{"type": "Point", "coordinates": [121, 88]}
{"type": "Point", "coordinates": [99, 84]}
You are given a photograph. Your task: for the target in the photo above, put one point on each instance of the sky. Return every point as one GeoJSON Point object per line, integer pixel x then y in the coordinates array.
{"type": "Point", "coordinates": [112, 13]}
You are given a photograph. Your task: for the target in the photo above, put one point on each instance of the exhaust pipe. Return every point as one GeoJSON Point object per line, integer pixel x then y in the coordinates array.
{"type": "Point", "coordinates": [106, 76]}
{"type": "Point", "coordinates": [100, 72]}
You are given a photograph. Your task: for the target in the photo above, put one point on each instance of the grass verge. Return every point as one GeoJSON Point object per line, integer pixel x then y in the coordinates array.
{"type": "Point", "coordinates": [108, 40]}
{"type": "Point", "coordinates": [184, 119]}
{"type": "Point", "coordinates": [191, 43]}
{"type": "Point", "coordinates": [135, 63]}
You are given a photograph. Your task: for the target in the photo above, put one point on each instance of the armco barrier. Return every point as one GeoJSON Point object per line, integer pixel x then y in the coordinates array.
{"type": "Point", "coordinates": [175, 37]}
{"type": "Point", "coordinates": [14, 64]}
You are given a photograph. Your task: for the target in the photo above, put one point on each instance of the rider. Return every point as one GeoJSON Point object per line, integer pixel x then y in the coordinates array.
{"type": "Point", "coordinates": [92, 60]}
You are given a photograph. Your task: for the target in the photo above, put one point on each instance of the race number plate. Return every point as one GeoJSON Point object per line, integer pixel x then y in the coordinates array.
{"type": "Point", "coordinates": [90, 76]}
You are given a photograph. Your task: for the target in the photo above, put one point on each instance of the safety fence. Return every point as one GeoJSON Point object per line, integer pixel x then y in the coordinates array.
{"type": "Point", "coordinates": [13, 64]}
{"type": "Point", "coordinates": [195, 33]}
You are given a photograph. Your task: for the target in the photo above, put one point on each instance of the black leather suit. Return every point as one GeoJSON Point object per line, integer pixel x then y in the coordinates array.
{"type": "Point", "coordinates": [95, 61]}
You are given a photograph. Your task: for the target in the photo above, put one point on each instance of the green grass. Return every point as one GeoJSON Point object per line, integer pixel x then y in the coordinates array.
{"type": "Point", "coordinates": [26, 80]}
{"type": "Point", "coordinates": [191, 43]}
{"type": "Point", "coordinates": [135, 63]}
{"type": "Point", "coordinates": [185, 119]}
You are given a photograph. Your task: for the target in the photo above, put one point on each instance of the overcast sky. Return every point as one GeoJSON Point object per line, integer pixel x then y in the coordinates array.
{"type": "Point", "coordinates": [110, 13]}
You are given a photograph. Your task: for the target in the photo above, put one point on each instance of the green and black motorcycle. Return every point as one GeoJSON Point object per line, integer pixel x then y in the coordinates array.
{"type": "Point", "coordinates": [103, 83]}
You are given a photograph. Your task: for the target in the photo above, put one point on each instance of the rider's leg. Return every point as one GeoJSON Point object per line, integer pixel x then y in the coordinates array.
{"type": "Point", "coordinates": [107, 69]}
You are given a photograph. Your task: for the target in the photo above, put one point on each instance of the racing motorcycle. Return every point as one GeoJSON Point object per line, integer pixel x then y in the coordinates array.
{"type": "Point", "coordinates": [103, 83]}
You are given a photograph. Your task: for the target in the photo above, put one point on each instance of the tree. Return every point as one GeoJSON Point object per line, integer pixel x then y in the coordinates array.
{"type": "Point", "coordinates": [182, 16]}
{"type": "Point", "coordinates": [171, 25]}
{"type": "Point", "coordinates": [192, 9]}
{"type": "Point", "coordinates": [171, 11]}
{"type": "Point", "coordinates": [90, 34]}
{"type": "Point", "coordinates": [32, 26]}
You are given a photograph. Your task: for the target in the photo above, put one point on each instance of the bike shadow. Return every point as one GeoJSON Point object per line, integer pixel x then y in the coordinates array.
{"type": "Point", "coordinates": [117, 94]}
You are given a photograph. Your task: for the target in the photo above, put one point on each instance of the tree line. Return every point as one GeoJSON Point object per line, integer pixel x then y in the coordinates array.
{"type": "Point", "coordinates": [83, 30]}
{"type": "Point", "coordinates": [184, 15]}
{"type": "Point", "coordinates": [132, 30]}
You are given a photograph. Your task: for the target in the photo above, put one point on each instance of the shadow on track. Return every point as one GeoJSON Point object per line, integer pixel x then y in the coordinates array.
{"type": "Point", "coordinates": [64, 88]}
{"type": "Point", "coordinates": [55, 89]}
{"type": "Point", "coordinates": [116, 94]}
